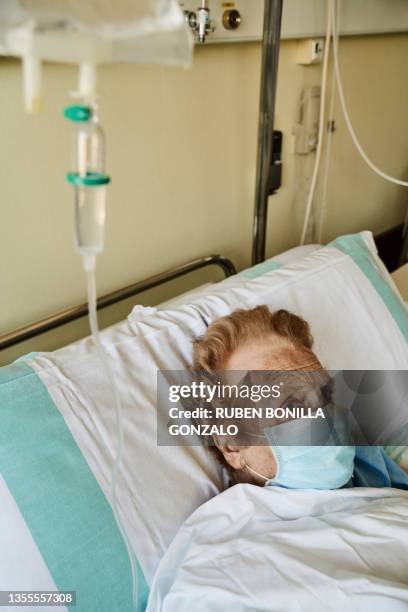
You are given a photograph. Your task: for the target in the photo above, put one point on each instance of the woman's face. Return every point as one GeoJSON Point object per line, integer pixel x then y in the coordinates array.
{"type": "Point", "coordinates": [259, 356]}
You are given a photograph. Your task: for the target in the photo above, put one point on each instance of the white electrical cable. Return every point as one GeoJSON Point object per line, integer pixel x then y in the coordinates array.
{"type": "Point", "coordinates": [89, 266]}
{"type": "Point", "coordinates": [359, 148]}
{"type": "Point", "coordinates": [327, 160]}
{"type": "Point", "coordinates": [321, 124]}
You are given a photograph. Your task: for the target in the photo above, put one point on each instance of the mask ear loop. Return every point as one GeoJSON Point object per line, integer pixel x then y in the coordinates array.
{"type": "Point", "coordinates": [248, 467]}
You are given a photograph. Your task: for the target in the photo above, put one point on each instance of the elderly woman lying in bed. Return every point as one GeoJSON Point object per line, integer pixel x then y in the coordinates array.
{"type": "Point", "coordinates": [260, 340]}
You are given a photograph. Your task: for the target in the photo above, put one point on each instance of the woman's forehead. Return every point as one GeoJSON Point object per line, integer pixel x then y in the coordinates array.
{"type": "Point", "coordinates": [272, 354]}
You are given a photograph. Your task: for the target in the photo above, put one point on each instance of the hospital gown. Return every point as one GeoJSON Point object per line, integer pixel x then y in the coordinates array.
{"type": "Point", "coordinates": [374, 468]}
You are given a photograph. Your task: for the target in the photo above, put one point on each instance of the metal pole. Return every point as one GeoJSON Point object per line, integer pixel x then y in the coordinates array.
{"type": "Point", "coordinates": [269, 74]}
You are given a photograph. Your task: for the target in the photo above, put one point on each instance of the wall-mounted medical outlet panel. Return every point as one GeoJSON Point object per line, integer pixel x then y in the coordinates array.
{"type": "Point", "coordinates": [242, 20]}
{"type": "Point", "coordinates": [309, 51]}
{"type": "Point", "coordinates": [307, 124]}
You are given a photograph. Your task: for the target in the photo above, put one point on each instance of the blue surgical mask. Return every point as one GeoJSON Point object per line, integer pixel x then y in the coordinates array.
{"type": "Point", "coordinates": [324, 466]}
{"type": "Point", "coordinates": [312, 467]}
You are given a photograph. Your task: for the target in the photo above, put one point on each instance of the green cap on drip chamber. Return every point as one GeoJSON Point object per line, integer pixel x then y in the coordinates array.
{"type": "Point", "coordinates": [78, 112]}
{"type": "Point", "coordinates": [90, 179]}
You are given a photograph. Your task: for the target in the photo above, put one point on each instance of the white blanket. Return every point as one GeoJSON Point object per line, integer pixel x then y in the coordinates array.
{"type": "Point", "coordinates": [258, 549]}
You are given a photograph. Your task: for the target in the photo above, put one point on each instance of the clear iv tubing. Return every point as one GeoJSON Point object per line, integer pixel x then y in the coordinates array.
{"type": "Point", "coordinates": [89, 266]}
{"type": "Point", "coordinates": [321, 124]}
{"type": "Point", "coordinates": [359, 148]}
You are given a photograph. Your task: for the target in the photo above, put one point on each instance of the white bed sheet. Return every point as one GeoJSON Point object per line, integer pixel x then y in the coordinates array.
{"type": "Point", "coordinates": [252, 548]}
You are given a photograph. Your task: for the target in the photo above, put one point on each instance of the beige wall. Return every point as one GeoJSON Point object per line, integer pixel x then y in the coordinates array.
{"type": "Point", "coordinates": [182, 151]}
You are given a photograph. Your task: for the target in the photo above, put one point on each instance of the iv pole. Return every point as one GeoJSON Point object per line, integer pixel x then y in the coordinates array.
{"type": "Point", "coordinates": [269, 74]}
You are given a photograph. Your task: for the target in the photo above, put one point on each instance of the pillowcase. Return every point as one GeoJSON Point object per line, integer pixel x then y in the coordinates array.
{"type": "Point", "coordinates": [253, 272]}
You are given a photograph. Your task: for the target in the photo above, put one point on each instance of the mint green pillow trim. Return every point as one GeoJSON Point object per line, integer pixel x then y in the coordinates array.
{"type": "Point", "coordinates": [260, 269]}
{"type": "Point", "coordinates": [62, 504]}
{"type": "Point", "coordinates": [27, 356]}
{"type": "Point", "coordinates": [355, 246]}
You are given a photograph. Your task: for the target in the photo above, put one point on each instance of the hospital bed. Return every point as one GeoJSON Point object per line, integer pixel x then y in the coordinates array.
{"type": "Point", "coordinates": [195, 549]}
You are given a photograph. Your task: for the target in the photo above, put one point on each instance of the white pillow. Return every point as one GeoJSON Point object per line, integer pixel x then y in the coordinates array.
{"type": "Point", "coordinates": [253, 272]}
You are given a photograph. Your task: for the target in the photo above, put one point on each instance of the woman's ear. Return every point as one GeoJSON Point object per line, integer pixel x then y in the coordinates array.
{"type": "Point", "coordinates": [232, 454]}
